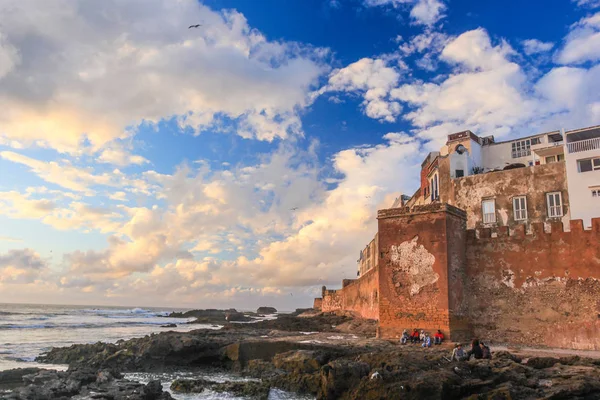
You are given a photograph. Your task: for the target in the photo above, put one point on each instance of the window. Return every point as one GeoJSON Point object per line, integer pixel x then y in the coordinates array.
{"type": "Point", "coordinates": [554, 204]}
{"type": "Point", "coordinates": [489, 211]}
{"type": "Point", "coordinates": [432, 191]}
{"type": "Point", "coordinates": [520, 208]}
{"type": "Point", "coordinates": [460, 173]}
{"type": "Point", "coordinates": [560, 157]}
{"type": "Point", "coordinates": [536, 140]}
{"type": "Point", "coordinates": [434, 188]}
{"type": "Point", "coordinates": [521, 148]}
{"type": "Point", "coordinates": [590, 164]}
{"type": "Point", "coordinates": [550, 159]}
{"type": "Point", "coordinates": [596, 193]}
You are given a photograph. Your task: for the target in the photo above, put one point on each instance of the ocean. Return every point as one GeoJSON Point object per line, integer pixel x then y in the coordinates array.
{"type": "Point", "coordinates": [27, 330]}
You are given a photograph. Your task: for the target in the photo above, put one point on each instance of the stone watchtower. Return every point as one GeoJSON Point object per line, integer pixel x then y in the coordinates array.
{"type": "Point", "coordinates": [422, 270]}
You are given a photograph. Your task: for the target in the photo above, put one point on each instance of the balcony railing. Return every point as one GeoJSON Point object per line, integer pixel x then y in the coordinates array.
{"type": "Point", "coordinates": [584, 145]}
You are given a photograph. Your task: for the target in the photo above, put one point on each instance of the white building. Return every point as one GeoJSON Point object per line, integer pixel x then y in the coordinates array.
{"type": "Point", "coordinates": [484, 154]}
{"type": "Point", "coordinates": [583, 173]}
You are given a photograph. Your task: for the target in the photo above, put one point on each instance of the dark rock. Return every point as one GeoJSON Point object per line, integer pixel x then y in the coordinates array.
{"type": "Point", "coordinates": [505, 355]}
{"type": "Point", "coordinates": [246, 389]}
{"type": "Point", "coordinates": [190, 385]}
{"type": "Point", "coordinates": [339, 375]}
{"type": "Point", "coordinates": [169, 326]}
{"type": "Point", "coordinates": [542, 362]}
{"type": "Point", "coordinates": [266, 310]}
{"type": "Point", "coordinates": [86, 383]}
{"type": "Point", "coordinates": [12, 378]}
{"type": "Point", "coordinates": [236, 317]}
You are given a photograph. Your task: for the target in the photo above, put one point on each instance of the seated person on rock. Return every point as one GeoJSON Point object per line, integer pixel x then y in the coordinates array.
{"type": "Point", "coordinates": [485, 351]}
{"type": "Point", "coordinates": [458, 354]}
{"type": "Point", "coordinates": [405, 336]}
{"type": "Point", "coordinates": [414, 338]}
{"type": "Point", "coordinates": [426, 341]}
{"type": "Point", "coordinates": [438, 338]}
{"type": "Point", "coordinates": [422, 335]}
{"type": "Point", "coordinates": [475, 351]}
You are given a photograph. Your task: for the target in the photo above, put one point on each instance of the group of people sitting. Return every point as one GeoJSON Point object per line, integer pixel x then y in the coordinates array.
{"type": "Point", "coordinates": [478, 351]}
{"type": "Point", "coordinates": [422, 337]}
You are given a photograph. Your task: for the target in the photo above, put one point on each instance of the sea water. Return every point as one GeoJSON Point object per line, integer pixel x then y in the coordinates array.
{"type": "Point", "coordinates": [28, 330]}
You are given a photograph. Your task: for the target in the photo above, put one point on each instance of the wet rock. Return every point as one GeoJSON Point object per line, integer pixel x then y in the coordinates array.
{"type": "Point", "coordinates": [85, 383]}
{"type": "Point", "coordinates": [246, 389]}
{"type": "Point", "coordinates": [323, 322]}
{"type": "Point", "coordinates": [266, 310]}
{"type": "Point", "coordinates": [150, 353]}
{"type": "Point", "coordinates": [339, 375]}
{"type": "Point", "coordinates": [169, 326]}
{"type": "Point", "coordinates": [190, 385]}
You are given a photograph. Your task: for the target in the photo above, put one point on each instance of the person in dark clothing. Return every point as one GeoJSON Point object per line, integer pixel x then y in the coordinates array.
{"type": "Point", "coordinates": [414, 338]}
{"type": "Point", "coordinates": [475, 351]}
{"type": "Point", "coordinates": [485, 351]}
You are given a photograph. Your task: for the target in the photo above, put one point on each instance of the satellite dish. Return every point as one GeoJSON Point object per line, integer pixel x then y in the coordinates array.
{"type": "Point", "coordinates": [460, 149]}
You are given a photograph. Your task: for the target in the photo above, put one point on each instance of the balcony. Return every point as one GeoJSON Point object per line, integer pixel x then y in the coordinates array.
{"type": "Point", "coordinates": [584, 145]}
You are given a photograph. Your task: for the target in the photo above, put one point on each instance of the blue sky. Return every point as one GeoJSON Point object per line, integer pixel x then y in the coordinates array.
{"type": "Point", "coordinates": [242, 163]}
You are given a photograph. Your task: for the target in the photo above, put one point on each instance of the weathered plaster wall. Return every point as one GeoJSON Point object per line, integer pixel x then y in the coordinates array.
{"type": "Point", "coordinates": [533, 182]}
{"type": "Point", "coordinates": [537, 289]}
{"type": "Point", "coordinates": [414, 266]}
{"type": "Point", "coordinates": [369, 257]}
{"type": "Point", "coordinates": [357, 295]}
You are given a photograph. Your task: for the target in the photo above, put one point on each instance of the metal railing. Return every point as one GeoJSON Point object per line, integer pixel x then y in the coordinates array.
{"type": "Point", "coordinates": [584, 145]}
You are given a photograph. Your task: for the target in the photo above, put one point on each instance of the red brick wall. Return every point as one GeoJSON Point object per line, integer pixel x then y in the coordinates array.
{"type": "Point", "coordinates": [414, 268]}
{"type": "Point", "coordinates": [357, 295]}
{"type": "Point", "coordinates": [538, 289]}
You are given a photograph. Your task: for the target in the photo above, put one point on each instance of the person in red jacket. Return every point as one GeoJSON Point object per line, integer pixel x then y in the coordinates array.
{"type": "Point", "coordinates": [438, 337]}
{"type": "Point", "coordinates": [414, 337]}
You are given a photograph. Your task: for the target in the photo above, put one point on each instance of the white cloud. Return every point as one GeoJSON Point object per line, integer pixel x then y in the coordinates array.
{"type": "Point", "coordinates": [428, 12]}
{"type": "Point", "coordinates": [373, 78]}
{"type": "Point", "coordinates": [583, 42]}
{"type": "Point", "coordinates": [20, 266]}
{"type": "Point", "coordinates": [534, 46]}
{"type": "Point", "coordinates": [115, 153]}
{"type": "Point", "coordinates": [428, 45]}
{"type": "Point", "coordinates": [423, 12]}
{"type": "Point", "coordinates": [587, 3]}
{"type": "Point", "coordinates": [119, 67]}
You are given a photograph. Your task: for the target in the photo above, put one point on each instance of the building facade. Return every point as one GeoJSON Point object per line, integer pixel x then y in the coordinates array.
{"type": "Point", "coordinates": [510, 183]}
{"type": "Point", "coordinates": [493, 226]}
{"type": "Point", "coordinates": [583, 173]}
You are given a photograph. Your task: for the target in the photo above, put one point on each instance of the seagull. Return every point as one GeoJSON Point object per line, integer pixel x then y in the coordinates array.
{"type": "Point", "coordinates": [293, 208]}
{"type": "Point", "coordinates": [195, 26]}
{"type": "Point", "coordinates": [367, 197]}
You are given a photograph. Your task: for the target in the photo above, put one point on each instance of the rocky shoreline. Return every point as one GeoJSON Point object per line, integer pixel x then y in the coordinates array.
{"type": "Point", "coordinates": [327, 356]}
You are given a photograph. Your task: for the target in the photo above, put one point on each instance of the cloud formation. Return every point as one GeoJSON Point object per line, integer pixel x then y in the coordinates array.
{"type": "Point", "coordinates": [422, 12]}
{"type": "Point", "coordinates": [20, 266]}
{"type": "Point", "coordinates": [143, 67]}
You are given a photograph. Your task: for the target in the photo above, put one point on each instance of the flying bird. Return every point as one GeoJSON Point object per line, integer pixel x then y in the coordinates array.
{"type": "Point", "coordinates": [294, 208]}
{"type": "Point", "coordinates": [195, 26]}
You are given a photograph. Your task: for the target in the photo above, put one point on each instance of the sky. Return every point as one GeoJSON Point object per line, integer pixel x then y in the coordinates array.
{"type": "Point", "coordinates": [242, 163]}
